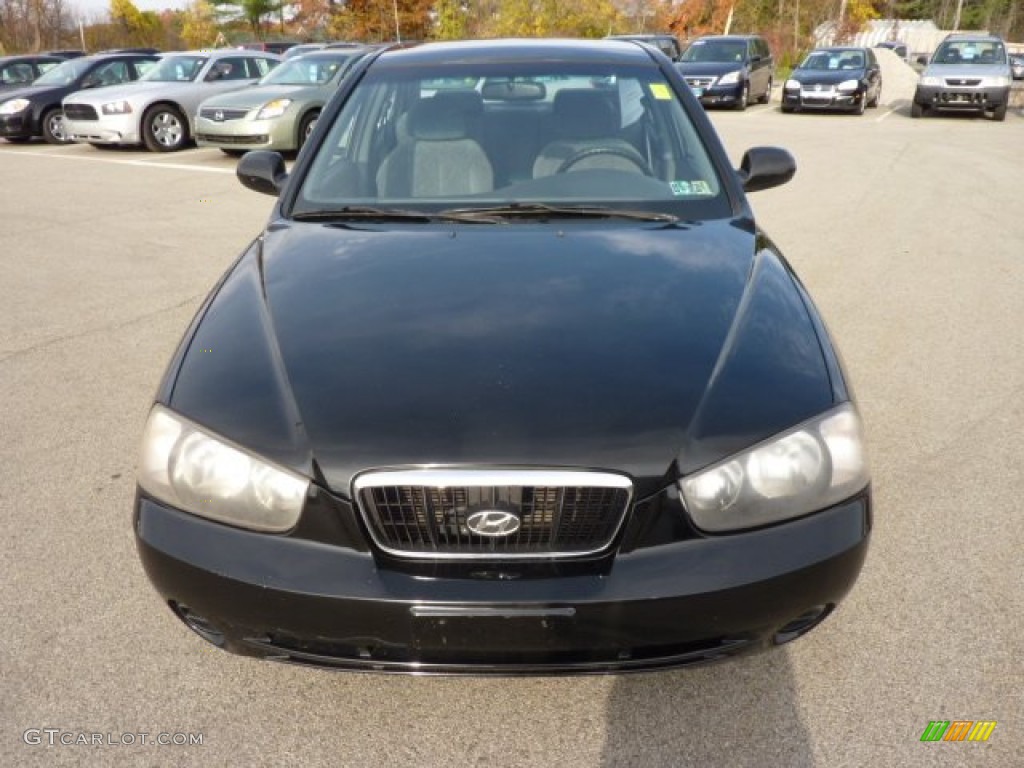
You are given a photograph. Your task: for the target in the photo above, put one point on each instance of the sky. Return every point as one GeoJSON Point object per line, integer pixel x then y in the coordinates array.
{"type": "Point", "coordinates": [89, 9]}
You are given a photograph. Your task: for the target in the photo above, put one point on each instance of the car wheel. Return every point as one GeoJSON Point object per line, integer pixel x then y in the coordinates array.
{"type": "Point", "coordinates": [233, 152]}
{"type": "Point", "coordinates": [787, 110]}
{"type": "Point", "coordinates": [767, 94]}
{"type": "Point", "coordinates": [916, 110]}
{"type": "Point", "coordinates": [878, 97]}
{"type": "Point", "coordinates": [306, 128]}
{"type": "Point", "coordinates": [164, 129]}
{"type": "Point", "coordinates": [744, 98]}
{"type": "Point", "coordinates": [999, 113]}
{"type": "Point", "coordinates": [861, 103]}
{"type": "Point", "coordinates": [53, 127]}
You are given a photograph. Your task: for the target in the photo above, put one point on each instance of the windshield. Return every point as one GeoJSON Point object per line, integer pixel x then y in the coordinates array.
{"type": "Point", "coordinates": [715, 50]}
{"type": "Point", "coordinates": [833, 60]}
{"type": "Point", "coordinates": [64, 74]}
{"type": "Point", "coordinates": [306, 71]}
{"type": "Point", "coordinates": [458, 136]}
{"type": "Point", "coordinates": [969, 52]}
{"type": "Point", "coordinates": [175, 69]}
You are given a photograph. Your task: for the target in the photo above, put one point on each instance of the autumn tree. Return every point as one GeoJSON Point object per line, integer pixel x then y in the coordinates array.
{"type": "Point", "coordinates": [139, 28]}
{"type": "Point", "coordinates": [376, 20]}
{"type": "Point", "coordinates": [199, 25]}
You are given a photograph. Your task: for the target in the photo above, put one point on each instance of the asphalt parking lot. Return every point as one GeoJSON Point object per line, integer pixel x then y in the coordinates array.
{"type": "Point", "coordinates": [908, 234]}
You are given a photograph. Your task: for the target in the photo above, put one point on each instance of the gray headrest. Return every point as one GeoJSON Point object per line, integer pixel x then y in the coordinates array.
{"type": "Point", "coordinates": [584, 114]}
{"type": "Point", "coordinates": [445, 117]}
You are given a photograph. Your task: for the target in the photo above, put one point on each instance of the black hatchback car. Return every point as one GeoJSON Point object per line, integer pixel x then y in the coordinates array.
{"type": "Point", "coordinates": [36, 109]}
{"type": "Point", "coordinates": [511, 383]}
{"type": "Point", "coordinates": [847, 79]}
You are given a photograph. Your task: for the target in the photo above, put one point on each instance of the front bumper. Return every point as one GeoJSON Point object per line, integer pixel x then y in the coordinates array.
{"type": "Point", "coordinates": [671, 605]}
{"type": "Point", "coordinates": [720, 95]}
{"type": "Point", "coordinates": [18, 126]}
{"type": "Point", "coordinates": [954, 99]}
{"type": "Point", "coordinates": [824, 99]}
{"type": "Point", "coordinates": [245, 134]}
{"type": "Point", "coordinates": [108, 129]}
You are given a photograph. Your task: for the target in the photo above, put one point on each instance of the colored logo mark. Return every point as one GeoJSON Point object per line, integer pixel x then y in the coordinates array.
{"type": "Point", "coordinates": [958, 730]}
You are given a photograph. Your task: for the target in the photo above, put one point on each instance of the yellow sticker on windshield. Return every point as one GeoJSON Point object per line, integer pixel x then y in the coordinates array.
{"type": "Point", "coordinates": [661, 92]}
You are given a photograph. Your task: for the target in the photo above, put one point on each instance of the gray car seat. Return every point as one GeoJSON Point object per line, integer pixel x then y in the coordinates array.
{"type": "Point", "coordinates": [585, 120]}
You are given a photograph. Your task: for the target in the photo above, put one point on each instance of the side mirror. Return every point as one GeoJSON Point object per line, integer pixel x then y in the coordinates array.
{"type": "Point", "coordinates": [90, 82]}
{"type": "Point", "coordinates": [922, 60]}
{"type": "Point", "coordinates": [262, 171]}
{"type": "Point", "coordinates": [765, 167]}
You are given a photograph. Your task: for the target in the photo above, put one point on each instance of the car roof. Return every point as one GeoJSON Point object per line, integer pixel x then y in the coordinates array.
{"type": "Point", "coordinates": [969, 36]}
{"type": "Point", "coordinates": [332, 53]}
{"type": "Point", "coordinates": [840, 48]}
{"type": "Point", "coordinates": [519, 50]}
{"type": "Point", "coordinates": [220, 53]}
{"type": "Point", "coordinates": [729, 37]}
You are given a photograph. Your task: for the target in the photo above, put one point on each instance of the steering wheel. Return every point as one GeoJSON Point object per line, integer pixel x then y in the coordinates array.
{"type": "Point", "coordinates": [626, 154]}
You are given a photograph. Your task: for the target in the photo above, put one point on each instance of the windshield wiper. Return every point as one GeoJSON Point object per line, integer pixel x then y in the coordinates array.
{"type": "Point", "coordinates": [361, 212]}
{"type": "Point", "coordinates": [546, 211]}
{"type": "Point", "coordinates": [369, 212]}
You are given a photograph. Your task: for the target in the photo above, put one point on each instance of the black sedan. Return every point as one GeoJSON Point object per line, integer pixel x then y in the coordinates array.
{"type": "Point", "coordinates": [510, 383]}
{"type": "Point", "coordinates": [36, 110]}
{"type": "Point", "coordinates": [19, 71]}
{"type": "Point", "coordinates": [847, 79]}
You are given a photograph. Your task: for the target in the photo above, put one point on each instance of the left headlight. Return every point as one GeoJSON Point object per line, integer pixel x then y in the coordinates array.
{"type": "Point", "coordinates": [189, 468]}
{"type": "Point", "coordinates": [995, 82]}
{"type": "Point", "coordinates": [729, 79]}
{"type": "Point", "coordinates": [931, 81]}
{"type": "Point", "coordinates": [848, 85]}
{"type": "Point", "coordinates": [14, 106]}
{"type": "Point", "coordinates": [808, 468]}
{"type": "Point", "coordinates": [116, 108]}
{"type": "Point", "coordinates": [274, 108]}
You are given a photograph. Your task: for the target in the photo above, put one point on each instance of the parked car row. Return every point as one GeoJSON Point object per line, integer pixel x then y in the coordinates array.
{"type": "Point", "coordinates": [158, 100]}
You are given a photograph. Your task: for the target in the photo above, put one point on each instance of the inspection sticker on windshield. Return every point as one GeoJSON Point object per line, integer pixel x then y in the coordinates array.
{"type": "Point", "coordinates": [698, 187]}
{"type": "Point", "coordinates": [661, 92]}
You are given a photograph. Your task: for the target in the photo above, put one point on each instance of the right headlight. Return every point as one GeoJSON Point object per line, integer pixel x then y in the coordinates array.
{"type": "Point", "coordinates": [931, 81]}
{"type": "Point", "coordinates": [792, 85]}
{"type": "Point", "coordinates": [730, 78]}
{"type": "Point", "coordinates": [810, 467]}
{"type": "Point", "coordinates": [192, 469]}
{"type": "Point", "coordinates": [14, 106]}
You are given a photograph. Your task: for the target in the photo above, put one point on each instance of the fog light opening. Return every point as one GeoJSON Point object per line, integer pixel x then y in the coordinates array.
{"type": "Point", "coordinates": [198, 624]}
{"type": "Point", "coordinates": [802, 624]}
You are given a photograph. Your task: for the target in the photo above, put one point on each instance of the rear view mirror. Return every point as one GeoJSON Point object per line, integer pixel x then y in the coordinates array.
{"type": "Point", "coordinates": [765, 167]}
{"type": "Point", "coordinates": [262, 171]}
{"type": "Point", "coordinates": [513, 90]}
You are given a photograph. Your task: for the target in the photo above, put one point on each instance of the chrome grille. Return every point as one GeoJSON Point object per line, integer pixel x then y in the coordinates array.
{"type": "Point", "coordinates": [699, 82]}
{"type": "Point", "coordinates": [431, 513]}
{"type": "Point", "coordinates": [222, 115]}
{"type": "Point", "coordinates": [80, 112]}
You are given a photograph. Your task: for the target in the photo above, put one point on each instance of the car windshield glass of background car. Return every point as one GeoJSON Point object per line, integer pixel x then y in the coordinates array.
{"type": "Point", "coordinates": [305, 71]}
{"type": "Point", "coordinates": [63, 74]}
{"type": "Point", "coordinates": [452, 136]}
{"type": "Point", "coordinates": [970, 52]}
{"type": "Point", "coordinates": [833, 60]}
{"type": "Point", "coordinates": [175, 69]}
{"type": "Point", "coordinates": [715, 50]}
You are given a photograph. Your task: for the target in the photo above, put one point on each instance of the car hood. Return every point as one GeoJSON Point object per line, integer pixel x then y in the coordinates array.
{"type": "Point", "coordinates": [258, 95]}
{"type": "Point", "coordinates": [640, 349]}
{"type": "Point", "coordinates": [716, 68]}
{"type": "Point", "coordinates": [31, 92]}
{"type": "Point", "coordinates": [137, 91]}
{"type": "Point", "coordinates": [826, 77]}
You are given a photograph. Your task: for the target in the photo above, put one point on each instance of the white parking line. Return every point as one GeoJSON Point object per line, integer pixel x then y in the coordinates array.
{"type": "Point", "coordinates": [115, 161]}
{"type": "Point", "coordinates": [885, 114]}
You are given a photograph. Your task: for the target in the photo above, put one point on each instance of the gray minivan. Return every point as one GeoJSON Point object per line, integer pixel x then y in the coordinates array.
{"type": "Point", "coordinates": [967, 73]}
{"type": "Point", "coordinates": [728, 70]}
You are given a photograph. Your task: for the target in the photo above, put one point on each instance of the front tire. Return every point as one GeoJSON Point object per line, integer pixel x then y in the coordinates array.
{"type": "Point", "coordinates": [744, 98]}
{"type": "Point", "coordinates": [305, 129]}
{"type": "Point", "coordinates": [859, 108]}
{"type": "Point", "coordinates": [233, 152]}
{"type": "Point", "coordinates": [164, 129]}
{"type": "Point", "coordinates": [878, 97]}
{"type": "Point", "coordinates": [916, 110]}
{"type": "Point", "coordinates": [767, 94]}
{"type": "Point", "coordinates": [999, 113]}
{"type": "Point", "coordinates": [53, 127]}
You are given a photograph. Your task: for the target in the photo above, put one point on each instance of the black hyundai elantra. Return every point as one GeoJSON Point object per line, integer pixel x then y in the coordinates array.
{"type": "Point", "coordinates": [510, 383]}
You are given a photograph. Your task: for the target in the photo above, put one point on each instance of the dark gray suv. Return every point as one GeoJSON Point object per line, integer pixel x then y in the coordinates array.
{"type": "Point", "coordinates": [967, 73]}
{"type": "Point", "coordinates": [728, 70]}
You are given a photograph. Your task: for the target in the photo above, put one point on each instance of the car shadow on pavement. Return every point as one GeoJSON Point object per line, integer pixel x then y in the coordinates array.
{"type": "Point", "coordinates": [743, 712]}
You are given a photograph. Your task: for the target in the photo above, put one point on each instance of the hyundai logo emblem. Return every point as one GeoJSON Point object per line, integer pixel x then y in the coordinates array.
{"type": "Point", "coordinates": [218, 116]}
{"type": "Point", "coordinates": [493, 522]}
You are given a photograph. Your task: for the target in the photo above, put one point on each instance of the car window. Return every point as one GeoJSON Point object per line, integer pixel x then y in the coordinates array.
{"type": "Point", "coordinates": [142, 66]}
{"type": "Point", "coordinates": [715, 50]}
{"type": "Point", "coordinates": [556, 133]}
{"type": "Point", "coordinates": [259, 66]}
{"type": "Point", "coordinates": [64, 73]}
{"type": "Point", "coordinates": [306, 70]}
{"type": "Point", "coordinates": [110, 73]}
{"type": "Point", "coordinates": [17, 73]}
{"type": "Point", "coordinates": [46, 66]}
{"type": "Point", "coordinates": [176, 69]}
